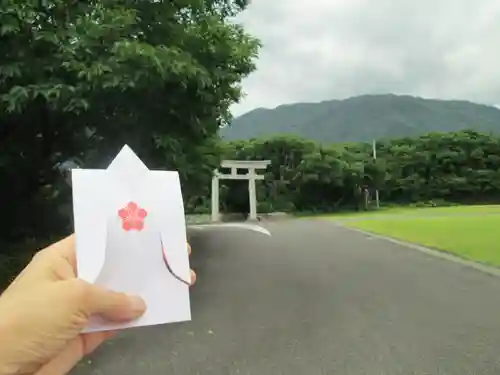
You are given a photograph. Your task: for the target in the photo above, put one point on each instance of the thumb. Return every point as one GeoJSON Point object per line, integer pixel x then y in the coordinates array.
{"type": "Point", "coordinates": [113, 306]}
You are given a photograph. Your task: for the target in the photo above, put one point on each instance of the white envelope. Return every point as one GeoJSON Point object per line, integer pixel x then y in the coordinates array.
{"type": "Point", "coordinates": [150, 260]}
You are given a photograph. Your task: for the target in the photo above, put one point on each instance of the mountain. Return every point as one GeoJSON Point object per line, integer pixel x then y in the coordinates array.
{"type": "Point", "coordinates": [364, 118]}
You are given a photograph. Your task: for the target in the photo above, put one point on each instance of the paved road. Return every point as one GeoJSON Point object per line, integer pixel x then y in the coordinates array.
{"type": "Point", "coordinates": [319, 299]}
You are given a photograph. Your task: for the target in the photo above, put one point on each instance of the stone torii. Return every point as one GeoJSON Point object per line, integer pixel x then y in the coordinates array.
{"type": "Point", "coordinates": [251, 176]}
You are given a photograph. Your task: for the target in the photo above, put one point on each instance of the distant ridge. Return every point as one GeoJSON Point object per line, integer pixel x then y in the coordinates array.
{"type": "Point", "coordinates": [363, 118]}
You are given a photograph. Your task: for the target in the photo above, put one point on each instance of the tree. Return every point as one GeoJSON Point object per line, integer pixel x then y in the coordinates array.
{"type": "Point", "coordinates": [454, 167]}
{"type": "Point", "coordinates": [81, 78]}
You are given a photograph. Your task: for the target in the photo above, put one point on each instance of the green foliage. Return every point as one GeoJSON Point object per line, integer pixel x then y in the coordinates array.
{"type": "Point", "coordinates": [363, 118]}
{"type": "Point", "coordinates": [425, 171]}
{"type": "Point", "coordinates": [82, 78]}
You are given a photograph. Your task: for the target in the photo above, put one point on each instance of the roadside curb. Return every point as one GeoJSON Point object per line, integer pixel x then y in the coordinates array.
{"type": "Point", "coordinates": [493, 271]}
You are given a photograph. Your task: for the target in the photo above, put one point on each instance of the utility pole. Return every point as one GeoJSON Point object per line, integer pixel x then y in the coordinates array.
{"type": "Point", "coordinates": [374, 148]}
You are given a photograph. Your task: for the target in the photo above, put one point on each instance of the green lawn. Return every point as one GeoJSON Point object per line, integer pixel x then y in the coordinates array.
{"type": "Point", "coordinates": [418, 211]}
{"type": "Point", "coordinates": [471, 237]}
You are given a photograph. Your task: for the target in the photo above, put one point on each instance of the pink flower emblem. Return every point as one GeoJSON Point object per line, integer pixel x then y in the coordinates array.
{"type": "Point", "coordinates": [132, 217]}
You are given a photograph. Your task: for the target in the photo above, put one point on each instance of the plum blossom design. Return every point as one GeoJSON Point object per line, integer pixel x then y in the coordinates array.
{"type": "Point", "coordinates": [132, 217]}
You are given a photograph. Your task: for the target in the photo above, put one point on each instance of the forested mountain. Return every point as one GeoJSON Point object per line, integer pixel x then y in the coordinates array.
{"type": "Point", "coordinates": [365, 117]}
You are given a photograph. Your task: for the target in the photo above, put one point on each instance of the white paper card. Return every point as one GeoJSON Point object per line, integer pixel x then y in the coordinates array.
{"type": "Point", "coordinates": [131, 237]}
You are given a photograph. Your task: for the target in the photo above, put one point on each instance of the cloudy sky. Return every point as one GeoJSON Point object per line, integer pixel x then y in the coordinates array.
{"type": "Point", "coordinates": [332, 49]}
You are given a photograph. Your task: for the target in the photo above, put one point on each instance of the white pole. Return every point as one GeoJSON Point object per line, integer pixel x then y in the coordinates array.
{"type": "Point", "coordinates": [374, 147]}
{"type": "Point", "coordinates": [252, 194]}
{"type": "Point", "coordinates": [215, 197]}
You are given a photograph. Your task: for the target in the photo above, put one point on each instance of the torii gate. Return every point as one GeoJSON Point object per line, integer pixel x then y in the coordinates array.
{"type": "Point", "coordinates": [251, 176]}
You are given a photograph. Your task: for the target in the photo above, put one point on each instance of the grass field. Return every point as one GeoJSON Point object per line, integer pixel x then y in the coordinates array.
{"type": "Point", "coordinates": [470, 232]}
{"type": "Point", "coordinates": [419, 211]}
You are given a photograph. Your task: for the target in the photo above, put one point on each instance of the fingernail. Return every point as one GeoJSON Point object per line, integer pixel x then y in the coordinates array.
{"type": "Point", "coordinates": [137, 303]}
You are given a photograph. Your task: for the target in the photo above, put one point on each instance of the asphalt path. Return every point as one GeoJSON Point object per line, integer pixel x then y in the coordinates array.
{"type": "Point", "coordinates": [316, 298]}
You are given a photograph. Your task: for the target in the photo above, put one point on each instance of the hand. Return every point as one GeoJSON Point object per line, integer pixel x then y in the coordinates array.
{"type": "Point", "coordinates": [46, 307]}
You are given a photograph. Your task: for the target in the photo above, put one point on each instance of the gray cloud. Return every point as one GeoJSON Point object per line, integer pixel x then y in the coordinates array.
{"type": "Point", "coordinates": [331, 49]}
